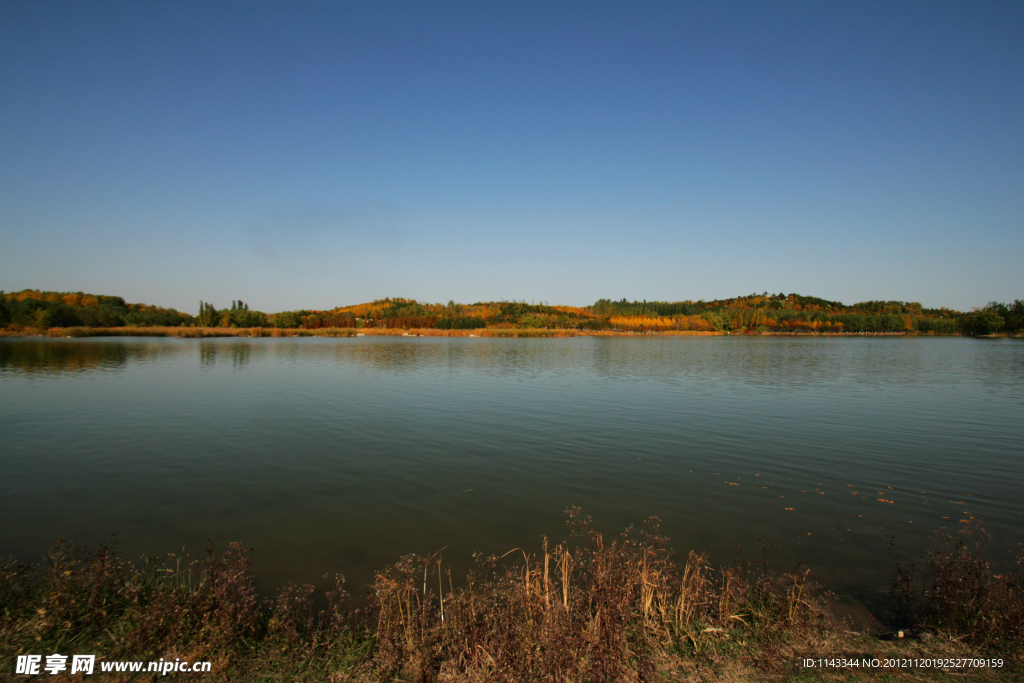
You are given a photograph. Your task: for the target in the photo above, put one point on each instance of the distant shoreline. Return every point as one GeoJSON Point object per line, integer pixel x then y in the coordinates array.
{"type": "Point", "coordinates": [36, 312]}
{"type": "Point", "coordinates": [259, 332]}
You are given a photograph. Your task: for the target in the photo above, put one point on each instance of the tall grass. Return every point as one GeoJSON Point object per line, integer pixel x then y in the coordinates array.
{"type": "Point", "coordinates": [591, 608]}
{"type": "Point", "coordinates": [587, 609]}
{"type": "Point", "coordinates": [92, 601]}
{"type": "Point", "coordinates": [196, 332]}
{"type": "Point", "coordinates": [959, 593]}
{"type": "Point", "coordinates": [526, 332]}
{"type": "Point", "coordinates": [595, 611]}
{"type": "Point", "coordinates": [206, 332]}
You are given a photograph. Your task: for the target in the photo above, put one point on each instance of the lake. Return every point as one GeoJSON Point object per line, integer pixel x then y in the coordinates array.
{"type": "Point", "coordinates": [341, 455]}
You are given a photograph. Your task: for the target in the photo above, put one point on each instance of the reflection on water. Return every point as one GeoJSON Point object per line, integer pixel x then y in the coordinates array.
{"type": "Point", "coordinates": [56, 357]}
{"type": "Point", "coordinates": [776, 364]}
{"type": "Point", "coordinates": [342, 454]}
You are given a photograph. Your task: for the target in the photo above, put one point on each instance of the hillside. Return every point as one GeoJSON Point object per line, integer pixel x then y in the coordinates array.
{"type": "Point", "coordinates": [751, 314]}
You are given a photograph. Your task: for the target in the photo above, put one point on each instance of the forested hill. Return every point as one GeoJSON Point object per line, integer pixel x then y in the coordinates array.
{"type": "Point", "coordinates": [754, 313]}
{"type": "Point", "coordinates": [33, 308]}
{"type": "Point", "coordinates": [779, 312]}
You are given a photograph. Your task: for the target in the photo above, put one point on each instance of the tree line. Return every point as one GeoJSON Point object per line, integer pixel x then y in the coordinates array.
{"type": "Point", "coordinates": [797, 313]}
{"type": "Point", "coordinates": [754, 313]}
{"type": "Point", "coordinates": [34, 308]}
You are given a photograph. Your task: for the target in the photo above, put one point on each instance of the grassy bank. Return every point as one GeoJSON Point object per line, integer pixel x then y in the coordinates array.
{"type": "Point", "coordinates": [589, 609]}
{"type": "Point", "coordinates": [210, 332]}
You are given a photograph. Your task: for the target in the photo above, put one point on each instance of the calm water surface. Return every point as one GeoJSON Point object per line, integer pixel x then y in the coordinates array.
{"type": "Point", "coordinates": [340, 455]}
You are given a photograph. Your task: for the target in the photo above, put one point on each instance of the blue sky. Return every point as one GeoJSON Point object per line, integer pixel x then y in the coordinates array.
{"type": "Point", "coordinates": [308, 155]}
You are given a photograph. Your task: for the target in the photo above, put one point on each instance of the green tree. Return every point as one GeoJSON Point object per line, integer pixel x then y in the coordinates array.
{"type": "Point", "coordinates": [208, 315]}
{"type": "Point", "coordinates": [718, 321]}
{"type": "Point", "coordinates": [288, 319]}
{"type": "Point", "coordinates": [984, 321]}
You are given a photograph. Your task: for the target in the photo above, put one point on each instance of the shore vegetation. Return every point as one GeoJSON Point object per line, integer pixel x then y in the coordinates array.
{"type": "Point", "coordinates": [79, 314]}
{"type": "Point", "coordinates": [591, 608]}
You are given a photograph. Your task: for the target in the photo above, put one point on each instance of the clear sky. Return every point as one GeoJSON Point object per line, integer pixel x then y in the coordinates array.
{"type": "Point", "coordinates": [309, 155]}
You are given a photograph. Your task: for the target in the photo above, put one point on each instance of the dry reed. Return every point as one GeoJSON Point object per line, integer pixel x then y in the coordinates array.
{"type": "Point", "coordinates": [588, 609]}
